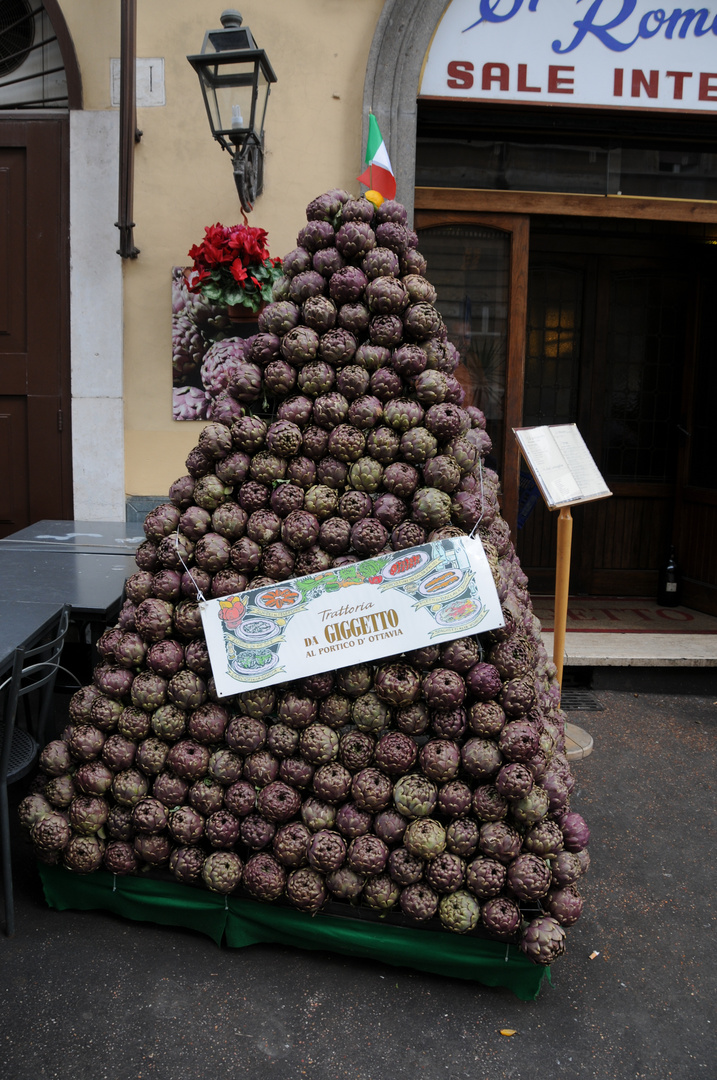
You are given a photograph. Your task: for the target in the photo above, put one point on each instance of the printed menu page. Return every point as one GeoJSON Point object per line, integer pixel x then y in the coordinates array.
{"type": "Point", "coordinates": [561, 464]}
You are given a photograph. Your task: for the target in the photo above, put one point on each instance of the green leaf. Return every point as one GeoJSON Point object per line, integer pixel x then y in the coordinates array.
{"type": "Point", "coordinates": [372, 567]}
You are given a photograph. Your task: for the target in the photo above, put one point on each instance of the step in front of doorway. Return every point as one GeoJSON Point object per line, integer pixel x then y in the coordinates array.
{"type": "Point", "coordinates": [637, 650]}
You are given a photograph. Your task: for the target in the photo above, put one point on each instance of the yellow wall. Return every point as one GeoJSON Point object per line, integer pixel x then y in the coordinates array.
{"type": "Point", "coordinates": [183, 180]}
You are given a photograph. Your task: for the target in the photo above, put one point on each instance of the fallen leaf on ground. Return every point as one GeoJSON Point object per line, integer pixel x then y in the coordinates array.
{"type": "Point", "coordinates": [508, 1031]}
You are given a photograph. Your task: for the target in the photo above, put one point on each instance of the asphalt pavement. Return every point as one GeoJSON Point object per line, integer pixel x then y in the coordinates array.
{"type": "Point", "coordinates": [89, 996]}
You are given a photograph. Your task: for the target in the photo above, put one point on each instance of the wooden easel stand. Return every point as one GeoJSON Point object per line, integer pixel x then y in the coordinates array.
{"type": "Point", "coordinates": [562, 588]}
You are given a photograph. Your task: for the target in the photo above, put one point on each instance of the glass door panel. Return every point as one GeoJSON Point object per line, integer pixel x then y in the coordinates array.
{"type": "Point", "coordinates": [478, 265]}
{"type": "Point", "coordinates": [470, 267]}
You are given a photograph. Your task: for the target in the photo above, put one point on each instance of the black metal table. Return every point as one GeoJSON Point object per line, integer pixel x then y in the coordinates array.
{"type": "Point", "coordinates": [90, 537]}
{"type": "Point", "coordinates": [92, 583]}
{"type": "Point", "coordinates": [23, 624]}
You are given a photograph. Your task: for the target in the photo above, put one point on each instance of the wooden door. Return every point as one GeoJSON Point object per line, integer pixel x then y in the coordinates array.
{"type": "Point", "coordinates": [695, 524]}
{"type": "Point", "coordinates": [35, 462]}
{"type": "Point", "coordinates": [609, 347]}
{"type": "Point", "coordinates": [478, 264]}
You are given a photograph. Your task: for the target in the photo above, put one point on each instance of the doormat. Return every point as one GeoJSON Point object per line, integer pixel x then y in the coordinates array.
{"type": "Point", "coordinates": [623, 614]}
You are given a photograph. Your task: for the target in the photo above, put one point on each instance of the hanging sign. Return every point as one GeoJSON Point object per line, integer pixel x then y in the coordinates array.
{"type": "Point", "coordinates": [378, 607]}
{"type": "Point", "coordinates": [611, 53]}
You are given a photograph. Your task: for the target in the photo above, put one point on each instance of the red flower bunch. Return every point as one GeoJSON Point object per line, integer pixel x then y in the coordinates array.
{"type": "Point", "coordinates": [232, 266]}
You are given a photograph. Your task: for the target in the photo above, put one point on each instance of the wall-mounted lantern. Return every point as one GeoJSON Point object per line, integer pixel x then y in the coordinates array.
{"type": "Point", "coordinates": [236, 77]}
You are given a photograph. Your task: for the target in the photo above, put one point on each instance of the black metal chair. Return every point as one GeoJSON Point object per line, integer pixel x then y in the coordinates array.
{"type": "Point", "coordinates": [33, 671]}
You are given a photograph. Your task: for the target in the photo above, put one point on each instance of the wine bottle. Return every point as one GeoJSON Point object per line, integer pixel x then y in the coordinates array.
{"type": "Point", "coordinates": [668, 590]}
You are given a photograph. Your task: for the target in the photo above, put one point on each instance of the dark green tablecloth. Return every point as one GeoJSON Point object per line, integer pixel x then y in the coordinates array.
{"type": "Point", "coordinates": [237, 922]}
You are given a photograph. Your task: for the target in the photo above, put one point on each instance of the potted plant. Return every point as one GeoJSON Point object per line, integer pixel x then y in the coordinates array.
{"type": "Point", "coordinates": [232, 266]}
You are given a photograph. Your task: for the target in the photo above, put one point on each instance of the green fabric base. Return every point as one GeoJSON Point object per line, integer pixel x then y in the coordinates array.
{"type": "Point", "coordinates": [238, 922]}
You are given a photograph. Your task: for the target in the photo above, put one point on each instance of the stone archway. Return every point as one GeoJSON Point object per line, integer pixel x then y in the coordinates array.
{"type": "Point", "coordinates": [67, 50]}
{"type": "Point", "coordinates": [402, 35]}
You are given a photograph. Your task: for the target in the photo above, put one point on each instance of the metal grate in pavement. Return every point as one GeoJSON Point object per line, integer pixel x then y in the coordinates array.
{"type": "Point", "coordinates": [579, 699]}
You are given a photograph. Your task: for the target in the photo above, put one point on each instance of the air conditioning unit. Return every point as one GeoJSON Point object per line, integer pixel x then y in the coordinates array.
{"type": "Point", "coordinates": [32, 75]}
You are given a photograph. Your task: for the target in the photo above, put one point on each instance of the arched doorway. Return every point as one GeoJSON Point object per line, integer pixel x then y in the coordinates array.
{"type": "Point", "coordinates": [39, 83]}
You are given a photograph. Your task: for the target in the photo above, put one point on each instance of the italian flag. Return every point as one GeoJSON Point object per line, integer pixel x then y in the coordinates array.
{"type": "Point", "coordinates": [378, 175]}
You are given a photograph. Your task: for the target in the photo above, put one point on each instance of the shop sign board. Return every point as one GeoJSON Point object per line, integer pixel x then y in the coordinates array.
{"type": "Point", "coordinates": [388, 604]}
{"type": "Point", "coordinates": [607, 53]}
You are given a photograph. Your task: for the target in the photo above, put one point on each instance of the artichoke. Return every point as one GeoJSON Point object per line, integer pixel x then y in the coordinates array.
{"type": "Point", "coordinates": [367, 854]}
{"type": "Point", "coordinates": [415, 796]}
{"type": "Point", "coordinates": [431, 508]}
{"type": "Point", "coordinates": [459, 912]}
{"type": "Point", "coordinates": [369, 712]}
{"type": "Point", "coordinates": [440, 760]}
{"type": "Point", "coordinates": [120, 858]}
{"type": "Point", "coordinates": [352, 381]}
{"type": "Point", "coordinates": [290, 843]}
{"type": "Point", "coordinates": [356, 750]}
{"type": "Point", "coordinates": [449, 723]}
{"type": "Point", "coordinates": [565, 869]}
{"type": "Point", "coordinates": [405, 868]}
{"type": "Point", "coordinates": [317, 814]}
{"type": "Point", "coordinates": [240, 798]}
{"type": "Point", "coordinates": [454, 799]}
{"type": "Point", "coordinates": [386, 385]}
{"type": "Point", "coordinates": [499, 841]}
{"type": "Point", "coordinates": [381, 892]}
{"type": "Point", "coordinates": [462, 837]}
{"type": "Point", "coordinates": [419, 901]}
{"type": "Point", "coordinates": [395, 753]}
{"type": "Point", "coordinates": [501, 917]}
{"type": "Point", "coordinates": [366, 474]}
{"type": "Point", "coordinates": [445, 873]}
{"type": "Point", "coordinates": [318, 744]}
{"type": "Point", "coordinates": [543, 940]}
{"type": "Point", "coordinates": [84, 854]}
{"type": "Point", "coordinates": [338, 347]}
{"type": "Point", "coordinates": [485, 877]}
{"type": "Point", "coordinates": [222, 871]}
{"type": "Point", "coordinates": [306, 889]}
{"type": "Point", "coordinates": [346, 443]}
{"type": "Point", "coordinates": [264, 877]}
{"type": "Point", "coordinates": [407, 535]}
{"type": "Point", "coordinates": [316, 378]}
{"type": "Point", "coordinates": [425, 838]}
{"type": "Point", "coordinates": [528, 877]}
{"type": "Point", "coordinates": [532, 808]}
{"type": "Point", "coordinates": [443, 689]}
{"type": "Point", "coordinates": [488, 803]}
{"type": "Point", "coordinates": [88, 814]}
{"type": "Point", "coordinates": [564, 905]}
{"type": "Point", "coordinates": [371, 790]}
{"type": "Point", "coordinates": [256, 832]}
{"type": "Point", "coordinates": [326, 851]}
{"type": "Point", "coordinates": [345, 883]}
{"type": "Point", "coordinates": [332, 782]}
{"type": "Point", "coordinates": [300, 530]}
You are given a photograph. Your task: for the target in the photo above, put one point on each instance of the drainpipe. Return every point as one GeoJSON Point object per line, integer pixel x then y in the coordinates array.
{"type": "Point", "coordinates": [129, 134]}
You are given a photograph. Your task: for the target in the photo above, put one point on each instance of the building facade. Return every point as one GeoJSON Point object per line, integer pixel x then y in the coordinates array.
{"type": "Point", "coordinates": [560, 164]}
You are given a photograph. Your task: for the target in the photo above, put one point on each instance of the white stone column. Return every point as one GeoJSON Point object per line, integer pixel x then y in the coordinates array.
{"type": "Point", "coordinates": [96, 318]}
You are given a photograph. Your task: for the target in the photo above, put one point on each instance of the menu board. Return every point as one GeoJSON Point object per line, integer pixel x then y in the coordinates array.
{"type": "Point", "coordinates": [389, 604]}
{"type": "Point", "coordinates": [561, 464]}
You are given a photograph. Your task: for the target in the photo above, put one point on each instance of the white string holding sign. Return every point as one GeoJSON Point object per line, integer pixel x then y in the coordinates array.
{"type": "Point", "coordinates": [482, 510]}
{"type": "Point", "coordinates": [200, 594]}
{"type": "Point", "coordinates": [472, 537]}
